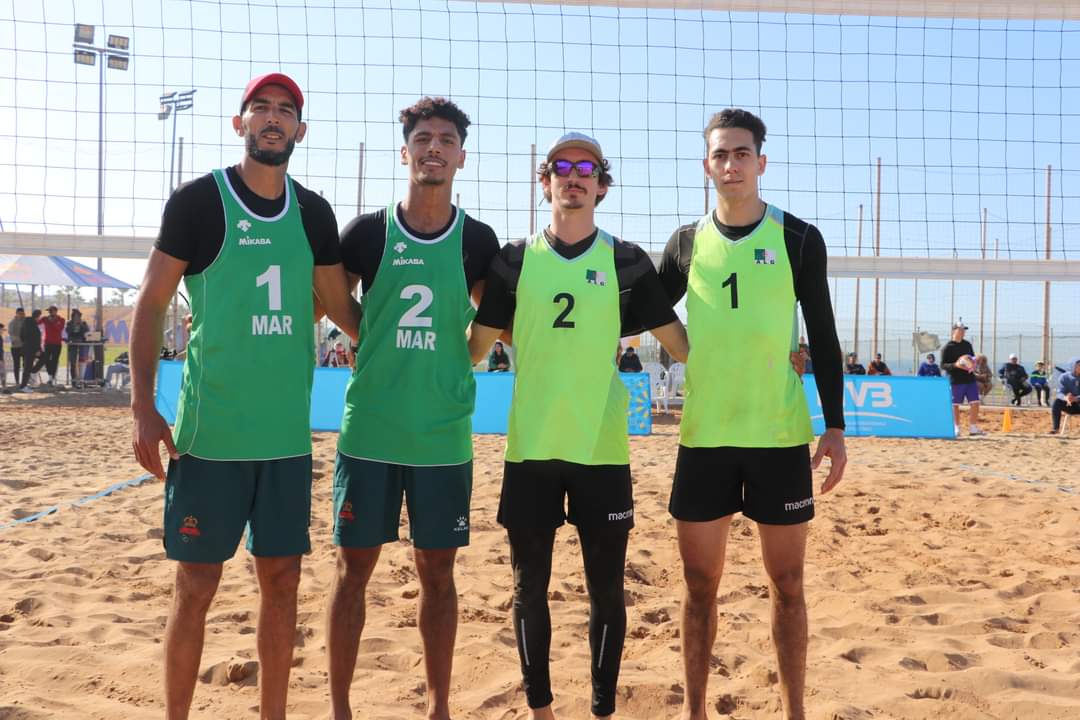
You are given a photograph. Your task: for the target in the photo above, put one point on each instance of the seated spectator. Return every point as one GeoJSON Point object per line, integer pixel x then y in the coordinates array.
{"type": "Point", "coordinates": [1067, 399]}
{"type": "Point", "coordinates": [498, 360]}
{"type": "Point", "coordinates": [983, 377]}
{"type": "Point", "coordinates": [118, 369]}
{"type": "Point", "coordinates": [1016, 378]}
{"type": "Point", "coordinates": [336, 356]}
{"type": "Point", "coordinates": [853, 367]}
{"type": "Point", "coordinates": [878, 366]}
{"type": "Point", "coordinates": [1040, 383]}
{"type": "Point", "coordinates": [929, 367]}
{"type": "Point", "coordinates": [804, 353]}
{"type": "Point", "coordinates": [630, 361]}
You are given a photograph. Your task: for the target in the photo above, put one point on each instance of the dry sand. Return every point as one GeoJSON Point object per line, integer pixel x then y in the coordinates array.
{"type": "Point", "coordinates": [943, 581]}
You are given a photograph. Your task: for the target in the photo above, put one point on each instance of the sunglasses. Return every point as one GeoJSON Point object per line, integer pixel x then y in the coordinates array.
{"type": "Point", "coordinates": [584, 168]}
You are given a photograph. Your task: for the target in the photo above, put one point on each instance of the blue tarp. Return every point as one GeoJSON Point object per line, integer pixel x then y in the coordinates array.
{"type": "Point", "coordinates": [493, 391]}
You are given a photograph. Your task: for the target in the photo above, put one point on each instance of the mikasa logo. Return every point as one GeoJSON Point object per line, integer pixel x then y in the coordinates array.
{"type": "Point", "coordinates": [408, 261]}
{"type": "Point", "coordinates": [254, 241]}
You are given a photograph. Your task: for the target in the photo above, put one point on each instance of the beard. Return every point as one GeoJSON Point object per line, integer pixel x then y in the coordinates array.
{"type": "Point", "coordinates": [272, 158]}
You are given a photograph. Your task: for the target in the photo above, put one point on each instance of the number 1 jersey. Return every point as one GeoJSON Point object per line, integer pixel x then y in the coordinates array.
{"type": "Point", "coordinates": [246, 390]}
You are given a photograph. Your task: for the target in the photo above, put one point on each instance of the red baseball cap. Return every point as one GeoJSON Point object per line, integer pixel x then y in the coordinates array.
{"type": "Point", "coordinates": [273, 79]}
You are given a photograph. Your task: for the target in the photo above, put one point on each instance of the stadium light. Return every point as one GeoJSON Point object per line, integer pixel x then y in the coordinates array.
{"type": "Point", "coordinates": [84, 34]}
{"type": "Point", "coordinates": [172, 104]}
{"type": "Point", "coordinates": [115, 56]}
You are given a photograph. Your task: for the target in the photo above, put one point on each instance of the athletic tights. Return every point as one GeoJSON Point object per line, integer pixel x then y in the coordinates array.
{"type": "Point", "coordinates": [604, 553]}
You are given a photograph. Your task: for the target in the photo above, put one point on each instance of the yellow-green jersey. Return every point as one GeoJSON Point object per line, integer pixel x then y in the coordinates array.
{"type": "Point", "coordinates": [742, 289]}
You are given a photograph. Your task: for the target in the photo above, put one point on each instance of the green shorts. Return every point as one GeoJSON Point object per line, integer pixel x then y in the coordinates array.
{"type": "Point", "coordinates": [208, 503]}
{"type": "Point", "coordinates": [367, 503]}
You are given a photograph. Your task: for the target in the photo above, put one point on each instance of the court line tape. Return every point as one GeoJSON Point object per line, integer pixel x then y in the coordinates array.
{"type": "Point", "coordinates": [81, 501]}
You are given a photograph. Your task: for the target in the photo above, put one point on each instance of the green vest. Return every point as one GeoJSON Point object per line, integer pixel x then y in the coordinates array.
{"type": "Point", "coordinates": [410, 398]}
{"type": "Point", "coordinates": [569, 402]}
{"type": "Point", "coordinates": [246, 392]}
{"type": "Point", "coordinates": [741, 390]}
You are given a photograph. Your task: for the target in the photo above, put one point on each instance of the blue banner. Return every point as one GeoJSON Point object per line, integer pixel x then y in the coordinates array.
{"type": "Point", "coordinates": [889, 406]}
{"type": "Point", "coordinates": [493, 392]}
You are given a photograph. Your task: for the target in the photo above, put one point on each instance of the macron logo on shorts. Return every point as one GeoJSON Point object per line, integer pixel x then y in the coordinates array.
{"type": "Point", "coordinates": [621, 515]}
{"type": "Point", "coordinates": [799, 504]}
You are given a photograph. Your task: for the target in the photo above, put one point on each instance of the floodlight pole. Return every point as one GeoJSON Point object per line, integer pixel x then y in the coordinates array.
{"type": "Point", "coordinates": [118, 51]}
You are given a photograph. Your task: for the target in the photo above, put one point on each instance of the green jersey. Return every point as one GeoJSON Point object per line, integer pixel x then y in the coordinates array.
{"type": "Point", "coordinates": [569, 402]}
{"type": "Point", "coordinates": [741, 390]}
{"type": "Point", "coordinates": [410, 398]}
{"type": "Point", "coordinates": [246, 389]}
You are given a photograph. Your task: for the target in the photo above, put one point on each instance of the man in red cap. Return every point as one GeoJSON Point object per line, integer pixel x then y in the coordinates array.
{"type": "Point", "coordinates": [250, 243]}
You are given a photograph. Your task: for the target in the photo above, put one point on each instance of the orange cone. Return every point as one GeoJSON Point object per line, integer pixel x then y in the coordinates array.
{"type": "Point", "coordinates": [1006, 421]}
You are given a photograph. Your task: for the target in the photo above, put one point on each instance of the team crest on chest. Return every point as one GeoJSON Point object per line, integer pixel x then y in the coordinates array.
{"type": "Point", "coordinates": [764, 257]}
{"type": "Point", "coordinates": [596, 277]}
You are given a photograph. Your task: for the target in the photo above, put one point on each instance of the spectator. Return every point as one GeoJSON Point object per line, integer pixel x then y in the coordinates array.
{"type": "Point", "coordinates": [853, 367]}
{"type": "Point", "coordinates": [630, 361]}
{"type": "Point", "coordinates": [804, 352]}
{"type": "Point", "coordinates": [78, 351]}
{"type": "Point", "coordinates": [1039, 382]}
{"type": "Point", "coordinates": [1068, 394]}
{"type": "Point", "coordinates": [15, 333]}
{"type": "Point", "coordinates": [336, 356]}
{"type": "Point", "coordinates": [878, 366]}
{"type": "Point", "coordinates": [31, 347]}
{"type": "Point", "coordinates": [1015, 376]}
{"type": "Point", "coordinates": [958, 360]}
{"type": "Point", "coordinates": [929, 368]}
{"type": "Point", "coordinates": [498, 360]}
{"type": "Point", "coordinates": [53, 326]}
{"type": "Point", "coordinates": [983, 376]}
{"type": "Point", "coordinates": [118, 369]}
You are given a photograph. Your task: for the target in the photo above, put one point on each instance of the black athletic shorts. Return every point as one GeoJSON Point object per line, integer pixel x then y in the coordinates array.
{"type": "Point", "coordinates": [768, 485]}
{"type": "Point", "coordinates": [535, 493]}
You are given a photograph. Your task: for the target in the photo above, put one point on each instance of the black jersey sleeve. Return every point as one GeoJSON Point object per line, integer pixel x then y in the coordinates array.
{"type": "Point", "coordinates": [362, 243]}
{"type": "Point", "coordinates": [643, 302]}
{"type": "Point", "coordinates": [500, 291]}
{"type": "Point", "coordinates": [193, 224]}
{"type": "Point", "coordinates": [320, 226]}
{"type": "Point", "coordinates": [479, 246]}
{"type": "Point", "coordinates": [806, 248]}
{"type": "Point", "coordinates": [675, 262]}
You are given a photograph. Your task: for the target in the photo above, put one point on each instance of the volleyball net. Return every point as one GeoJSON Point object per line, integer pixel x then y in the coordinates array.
{"type": "Point", "coordinates": [941, 136]}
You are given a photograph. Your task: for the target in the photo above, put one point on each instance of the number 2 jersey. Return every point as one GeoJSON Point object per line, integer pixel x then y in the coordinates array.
{"type": "Point", "coordinates": [246, 389]}
{"type": "Point", "coordinates": [411, 396]}
{"type": "Point", "coordinates": [742, 285]}
{"type": "Point", "coordinates": [568, 304]}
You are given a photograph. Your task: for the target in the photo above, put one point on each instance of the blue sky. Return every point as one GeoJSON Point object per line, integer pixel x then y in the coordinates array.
{"type": "Point", "coordinates": [964, 114]}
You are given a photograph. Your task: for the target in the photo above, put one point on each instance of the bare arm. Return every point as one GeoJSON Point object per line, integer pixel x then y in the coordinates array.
{"type": "Point", "coordinates": [163, 274]}
{"type": "Point", "coordinates": [332, 293]}
{"type": "Point", "coordinates": [481, 338]}
{"type": "Point", "coordinates": [673, 337]}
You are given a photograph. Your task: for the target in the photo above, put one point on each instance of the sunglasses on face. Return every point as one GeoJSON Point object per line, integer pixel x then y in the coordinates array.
{"type": "Point", "coordinates": [584, 168]}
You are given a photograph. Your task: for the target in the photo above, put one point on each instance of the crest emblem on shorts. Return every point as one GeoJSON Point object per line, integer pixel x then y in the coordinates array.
{"type": "Point", "coordinates": [764, 257]}
{"type": "Point", "coordinates": [244, 225]}
{"type": "Point", "coordinates": [346, 512]}
{"type": "Point", "coordinates": [596, 277]}
{"type": "Point", "coordinates": [190, 528]}
{"type": "Point", "coordinates": [400, 247]}
{"type": "Point", "coordinates": [462, 524]}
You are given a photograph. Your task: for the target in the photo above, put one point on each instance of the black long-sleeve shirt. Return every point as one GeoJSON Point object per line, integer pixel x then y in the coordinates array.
{"type": "Point", "coordinates": [808, 258]}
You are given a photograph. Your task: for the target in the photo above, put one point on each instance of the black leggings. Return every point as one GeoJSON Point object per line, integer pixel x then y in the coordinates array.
{"type": "Point", "coordinates": [1041, 390]}
{"type": "Point", "coordinates": [604, 553]}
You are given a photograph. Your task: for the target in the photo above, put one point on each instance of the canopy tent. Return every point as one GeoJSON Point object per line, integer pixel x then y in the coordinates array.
{"type": "Point", "coordinates": [52, 270]}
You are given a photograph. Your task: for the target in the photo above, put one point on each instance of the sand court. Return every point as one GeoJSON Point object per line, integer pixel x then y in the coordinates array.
{"type": "Point", "coordinates": [943, 580]}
